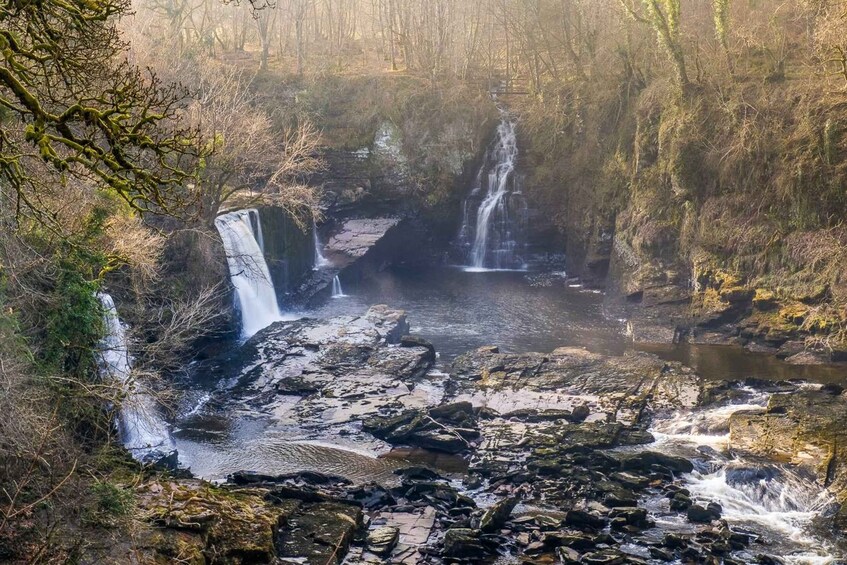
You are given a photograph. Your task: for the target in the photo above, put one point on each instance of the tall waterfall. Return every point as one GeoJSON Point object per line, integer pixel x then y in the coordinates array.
{"type": "Point", "coordinates": [320, 260]}
{"type": "Point", "coordinates": [248, 270]}
{"type": "Point", "coordinates": [492, 236]}
{"type": "Point", "coordinates": [142, 429]}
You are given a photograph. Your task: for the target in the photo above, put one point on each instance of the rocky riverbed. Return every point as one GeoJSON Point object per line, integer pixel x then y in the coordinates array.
{"type": "Point", "coordinates": [564, 457]}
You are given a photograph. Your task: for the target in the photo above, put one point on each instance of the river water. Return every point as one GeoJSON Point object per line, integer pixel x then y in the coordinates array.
{"type": "Point", "coordinates": [459, 310]}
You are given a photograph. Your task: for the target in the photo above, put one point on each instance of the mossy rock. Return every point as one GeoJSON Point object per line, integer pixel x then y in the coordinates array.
{"type": "Point", "coordinates": [765, 300]}
{"type": "Point", "coordinates": [234, 526]}
{"type": "Point", "coordinates": [793, 313]}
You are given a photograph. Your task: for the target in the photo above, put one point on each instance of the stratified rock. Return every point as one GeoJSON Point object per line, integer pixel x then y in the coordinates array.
{"type": "Point", "coordinates": [415, 341]}
{"type": "Point", "coordinates": [575, 381]}
{"type": "Point", "coordinates": [581, 519]}
{"type": "Point", "coordinates": [804, 428]}
{"type": "Point", "coordinates": [357, 236]}
{"type": "Point", "coordinates": [341, 369]}
{"type": "Point", "coordinates": [448, 428]}
{"type": "Point", "coordinates": [321, 534]}
{"type": "Point", "coordinates": [464, 542]}
{"type": "Point", "coordinates": [382, 540]}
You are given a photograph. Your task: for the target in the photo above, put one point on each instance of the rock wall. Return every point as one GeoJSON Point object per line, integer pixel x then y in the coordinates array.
{"type": "Point", "coordinates": [289, 251]}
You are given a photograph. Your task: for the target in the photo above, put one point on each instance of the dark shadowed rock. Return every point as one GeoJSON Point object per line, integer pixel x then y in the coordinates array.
{"type": "Point", "coordinates": [495, 517]}
{"type": "Point", "coordinates": [703, 515]}
{"type": "Point", "coordinates": [649, 460]}
{"type": "Point", "coordinates": [464, 542]}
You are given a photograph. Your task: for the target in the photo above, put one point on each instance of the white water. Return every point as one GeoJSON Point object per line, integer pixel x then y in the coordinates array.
{"type": "Point", "coordinates": [777, 500]}
{"type": "Point", "coordinates": [494, 240]}
{"type": "Point", "coordinates": [142, 429]}
{"type": "Point", "coordinates": [337, 291]}
{"type": "Point", "coordinates": [248, 271]}
{"type": "Point", "coordinates": [320, 260]}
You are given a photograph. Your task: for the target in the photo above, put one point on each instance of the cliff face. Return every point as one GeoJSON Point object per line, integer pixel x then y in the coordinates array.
{"type": "Point", "coordinates": [289, 250]}
{"type": "Point", "coordinates": [728, 219]}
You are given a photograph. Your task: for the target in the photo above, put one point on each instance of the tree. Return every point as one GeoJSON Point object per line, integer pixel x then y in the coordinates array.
{"type": "Point", "coordinates": [663, 16]}
{"type": "Point", "coordinates": [69, 99]}
{"type": "Point", "coordinates": [247, 161]}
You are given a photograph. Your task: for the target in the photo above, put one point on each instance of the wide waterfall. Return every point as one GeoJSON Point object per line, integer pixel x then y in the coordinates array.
{"type": "Point", "coordinates": [492, 236]}
{"type": "Point", "coordinates": [142, 429]}
{"type": "Point", "coordinates": [248, 270]}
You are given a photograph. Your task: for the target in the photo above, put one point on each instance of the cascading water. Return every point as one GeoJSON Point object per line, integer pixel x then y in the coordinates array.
{"type": "Point", "coordinates": [142, 429]}
{"type": "Point", "coordinates": [492, 237]}
{"type": "Point", "coordinates": [781, 500]}
{"type": "Point", "coordinates": [337, 292]}
{"type": "Point", "coordinates": [248, 271]}
{"type": "Point", "coordinates": [320, 260]}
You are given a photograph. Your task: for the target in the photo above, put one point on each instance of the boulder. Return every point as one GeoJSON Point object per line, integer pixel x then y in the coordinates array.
{"type": "Point", "coordinates": [382, 540]}
{"type": "Point", "coordinates": [464, 543]}
{"type": "Point", "coordinates": [496, 516]}
{"type": "Point", "coordinates": [703, 515]}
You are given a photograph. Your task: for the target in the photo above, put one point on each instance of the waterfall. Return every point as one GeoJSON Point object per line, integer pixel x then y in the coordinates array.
{"type": "Point", "coordinates": [320, 260]}
{"type": "Point", "coordinates": [248, 270]}
{"type": "Point", "coordinates": [779, 498]}
{"type": "Point", "coordinates": [256, 224]}
{"type": "Point", "coordinates": [492, 236]}
{"type": "Point", "coordinates": [337, 292]}
{"type": "Point", "coordinates": [142, 429]}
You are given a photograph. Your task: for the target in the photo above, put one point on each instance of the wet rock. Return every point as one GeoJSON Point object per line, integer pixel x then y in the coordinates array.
{"type": "Point", "coordinates": [568, 556]}
{"type": "Point", "coordinates": [448, 428]}
{"type": "Point", "coordinates": [416, 473]}
{"type": "Point", "coordinates": [650, 460]}
{"type": "Point", "coordinates": [440, 495]}
{"type": "Point", "coordinates": [382, 540]}
{"type": "Point", "coordinates": [636, 517]}
{"type": "Point", "coordinates": [371, 496]}
{"type": "Point", "coordinates": [242, 478]}
{"type": "Point", "coordinates": [804, 428]}
{"type": "Point", "coordinates": [661, 554]}
{"type": "Point", "coordinates": [616, 388]}
{"type": "Point", "coordinates": [674, 541]}
{"type": "Point", "coordinates": [620, 498]}
{"type": "Point", "coordinates": [576, 542]}
{"type": "Point", "coordinates": [580, 413]}
{"type": "Point", "coordinates": [764, 559]}
{"type": "Point", "coordinates": [703, 515]}
{"type": "Point", "coordinates": [439, 441]}
{"type": "Point", "coordinates": [414, 341]}
{"type": "Point", "coordinates": [320, 533]}
{"type": "Point", "coordinates": [495, 517]}
{"type": "Point", "coordinates": [464, 542]}
{"type": "Point", "coordinates": [680, 502]}
{"type": "Point", "coordinates": [581, 519]}
{"type": "Point", "coordinates": [603, 557]}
